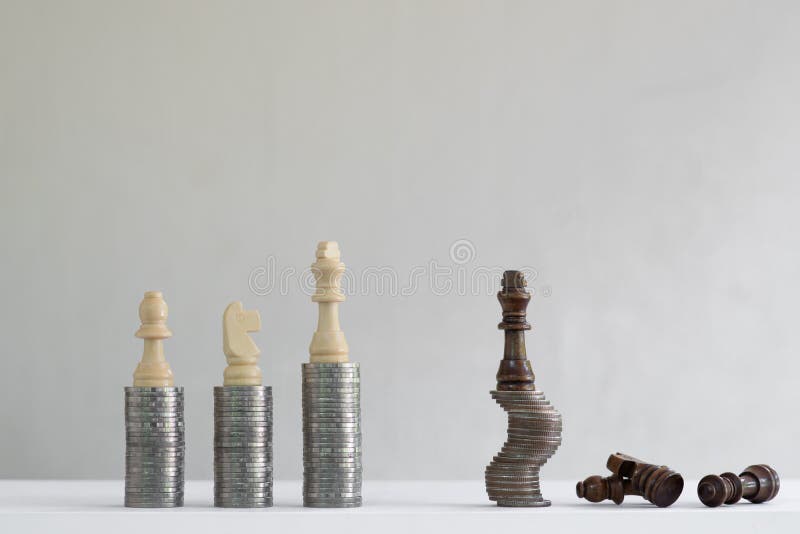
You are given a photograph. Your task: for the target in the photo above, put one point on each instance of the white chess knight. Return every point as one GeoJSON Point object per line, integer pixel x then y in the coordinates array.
{"type": "Point", "coordinates": [240, 350]}
{"type": "Point", "coordinates": [153, 370]}
{"type": "Point", "coordinates": [328, 344]}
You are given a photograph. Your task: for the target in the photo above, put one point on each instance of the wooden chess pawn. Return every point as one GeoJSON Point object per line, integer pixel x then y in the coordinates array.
{"type": "Point", "coordinates": [153, 369]}
{"type": "Point", "coordinates": [758, 483]}
{"type": "Point", "coordinates": [658, 484]}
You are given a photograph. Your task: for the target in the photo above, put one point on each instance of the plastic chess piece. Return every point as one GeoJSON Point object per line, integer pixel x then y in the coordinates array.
{"type": "Point", "coordinates": [658, 484]}
{"type": "Point", "coordinates": [240, 350]}
{"type": "Point", "coordinates": [758, 483]}
{"type": "Point", "coordinates": [328, 345]}
{"type": "Point", "coordinates": [153, 369]}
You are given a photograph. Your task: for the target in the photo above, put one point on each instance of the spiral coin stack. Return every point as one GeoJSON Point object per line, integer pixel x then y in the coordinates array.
{"type": "Point", "coordinates": [331, 435]}
{"type": "Point", "coordinates": [243, 446]}
{"type": "Point", "coordinates": [534, 434]}
{"type": "Point", "coordinates": [155, 447]}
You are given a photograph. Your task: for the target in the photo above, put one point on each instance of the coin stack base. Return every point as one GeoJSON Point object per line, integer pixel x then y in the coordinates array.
{"type": "Point", "coordinates": [534, 434]}
{"type": "Point", "coordinates": [331, 435]}
{"type": "Point", "coordinates": [243, 446]}
{"type": "Point", "coordinates": [155, 447]}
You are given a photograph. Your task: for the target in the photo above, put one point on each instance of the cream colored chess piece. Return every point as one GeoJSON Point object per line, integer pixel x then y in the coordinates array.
{"type": "Point", "coordinates": [328, 344]}
{"type": "Point", "coordinates": [153, 370]}
{"type": "Point", "coordinates": [240, 350]}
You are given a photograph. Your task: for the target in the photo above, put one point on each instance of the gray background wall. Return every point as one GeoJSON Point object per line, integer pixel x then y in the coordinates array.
{"type": "Point", "coordinates": [640, 156]}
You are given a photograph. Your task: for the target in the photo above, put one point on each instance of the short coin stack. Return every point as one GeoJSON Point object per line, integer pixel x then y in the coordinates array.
{"type": "Point", "coordinates": [534, 434]}
{"type": "Point", "coordinates": [155, 447]}
{"type": "Point", "coordinates": [331, 435]}
{"type": "Point", "coordinates": [243, 446]}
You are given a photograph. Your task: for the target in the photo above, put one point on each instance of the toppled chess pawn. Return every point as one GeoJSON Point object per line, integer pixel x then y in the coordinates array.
{"type": "Point", "coordinates": [658, 484]}
{"type": "Point", "coordinates": [758, 483]}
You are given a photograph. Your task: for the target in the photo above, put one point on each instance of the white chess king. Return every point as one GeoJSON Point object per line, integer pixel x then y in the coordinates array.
{"type": "Point", "coordinates": [328, 344]}
{"type": "Point", "coordinates": [240, 350]}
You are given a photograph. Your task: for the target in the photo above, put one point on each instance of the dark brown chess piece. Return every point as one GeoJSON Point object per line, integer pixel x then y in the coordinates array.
{"type": "Point", "coordinates": [658, 484]}
{"type": "Point", "coordinates": [758, 483]}
{"type": "Point", "coordinates": [515, 372]}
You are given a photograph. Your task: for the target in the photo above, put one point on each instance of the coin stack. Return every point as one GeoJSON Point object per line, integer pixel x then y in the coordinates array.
{"type": "Point", "coordinates": [534, 434]}
{"type": "Point", "coordinates": [243, 446]}
{"type": "Point", "coordinates": [331, 435]}
{"type": "Point", "coordinates": [155, 447]}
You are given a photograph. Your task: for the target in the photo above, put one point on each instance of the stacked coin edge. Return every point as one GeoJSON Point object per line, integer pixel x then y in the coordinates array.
{"type": "Point", "coordinates": [243, 459]}
{"type": "Point", "coordinates": [332, 468]}
{"type": "Point", "coordinates": [534, 434]}
{"type": "Point", "coordinates": [154, 447]}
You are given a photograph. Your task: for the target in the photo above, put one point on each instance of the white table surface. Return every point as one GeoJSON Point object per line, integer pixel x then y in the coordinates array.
{"type": "Point", "coordinates": [397, 506]}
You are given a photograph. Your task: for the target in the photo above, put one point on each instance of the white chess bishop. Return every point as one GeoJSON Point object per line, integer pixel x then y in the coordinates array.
{"type": "Point", "coordinates": [328, 344]}
{"type": "Point", "coordinates": [240, 350]}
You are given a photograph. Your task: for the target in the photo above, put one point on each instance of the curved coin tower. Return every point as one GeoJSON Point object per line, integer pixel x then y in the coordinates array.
{"type": "Point", "coordinates": [331, 398]}
{"type": "Point", "coordinates": [534, 426]}
{"type": "Point", "coordinates": [154, 429]}
{"type": "Point", "coordinates": [242, 418]}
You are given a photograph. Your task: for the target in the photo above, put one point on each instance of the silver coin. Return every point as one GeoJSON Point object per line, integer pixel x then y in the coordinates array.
{"type": "Point", "coordinates": [253, 430]}
{"type": "Point", "coordinates": [146, 503]}
{"type": "Point", "coordinates": [246, 454]}
{"type": "Point", "coordinates": [331, 427]}
{"type": "Point", "coordinates": [254, 503]}
{"type": "Point", "coordinates": [238, 469]}
{"type": "Point", "coordinates": [154, 452]}
{"type": "Point", "coordinates": [234, 405]}
{"type": "Point", "coordinates": [165, 417]}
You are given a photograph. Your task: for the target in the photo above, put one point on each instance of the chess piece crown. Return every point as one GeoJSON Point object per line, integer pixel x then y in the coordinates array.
{"type": "Point", "coordinates": [757, 483]}
{"type": "Point", "coordinates": [240, 350]}
{"type": "Point", "coordinates": [153, 369]}
{"type": "Point", "coordinates": [328, 345]}
{"type": "Point", "coordinates": [658, 484]}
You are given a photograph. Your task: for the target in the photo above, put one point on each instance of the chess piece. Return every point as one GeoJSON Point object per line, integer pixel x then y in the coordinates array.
{"type": "Point", "coordinates": [332, 470]}
{"type": "Point", "coordinates": [153, 370]}
{"type": "Point", "coordinates": [758, 483]}
{"type": "Point", "coordinates": [534, 426]}
{"type": "Point", "coordinates": [328, 344]}
{"type": "Point", "coordinates": [154, 424]}
{"type": "Point", "coordinates": [240, 350]}
{"type": "Point", "coordinates": [658, 484]}
{"type": "Point", "coordinates": [515, 372]}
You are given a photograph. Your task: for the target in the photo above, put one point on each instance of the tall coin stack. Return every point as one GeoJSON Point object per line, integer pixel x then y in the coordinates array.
{"type": "Point", "coordinates": [331, 398]}
{"type": "Point", "coordinates": [243, 446]}
{"type": "Point", "coordinates": [154, 427]}
{"type": "Point", "coordinates": [155, 447]}
{"type": "Point", "coordinates": [242, 418]}
{"type": "Point", "coordinates": [534, 426]}
{"type": "Point", "coordinates": [331, 435]}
